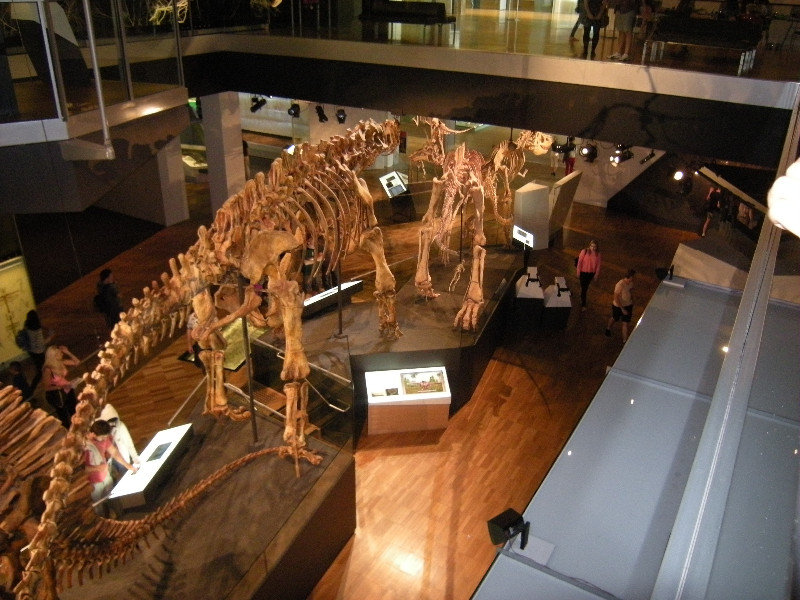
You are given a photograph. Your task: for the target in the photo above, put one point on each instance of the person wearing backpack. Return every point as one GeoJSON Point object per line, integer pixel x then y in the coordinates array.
{"type": "Point", "coordinates": [31, 338]}
{"type": "Point", "coordinates": [107, 298]}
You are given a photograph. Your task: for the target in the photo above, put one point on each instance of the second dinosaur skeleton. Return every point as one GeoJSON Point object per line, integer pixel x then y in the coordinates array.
{"type": "Point", "coordinates": [467, 180]}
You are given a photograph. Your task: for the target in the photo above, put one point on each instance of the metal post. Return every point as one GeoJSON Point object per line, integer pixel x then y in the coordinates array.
{"type": "Point", "coordinates": [247, 359]}
{"type": "Point", "coordinates": [98, 84]}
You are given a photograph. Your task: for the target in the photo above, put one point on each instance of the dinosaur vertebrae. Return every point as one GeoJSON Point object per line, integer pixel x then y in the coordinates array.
{"type": "Point", "coordinates": [316, 191]}
{"type": "Point", "coordinates": [29, 440]}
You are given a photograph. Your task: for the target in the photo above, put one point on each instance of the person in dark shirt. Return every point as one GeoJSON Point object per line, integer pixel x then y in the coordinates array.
{"type": "Point", "coordinates": [595, 16]}
{"type": "Point", "coordinates": [18, 379]}
{"type": "Point", "coordinates": [107, 299]}
{"type": "Point", "coordinates": [713, 206]}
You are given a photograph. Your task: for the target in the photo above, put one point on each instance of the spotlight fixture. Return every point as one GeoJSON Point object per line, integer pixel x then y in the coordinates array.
{"type": "Point", "coordinates": [588, 152]}
{"type": "Point", "coordinates": [621, 154]}
{"type": "Point", "coordinates": [341, 116]}
{"type": "Point", "coordinates": [648, 157]}
{"type": "Point", "coordinates": [679, 175]}
{"type": "Point", "coordinates": [323, 118]}
{"type": "Point", "coordinates": [257, 103]}
{"type": "Point", "coordinates": [294, 110]}
{"type": "Point", "coordinates": [506, 526]}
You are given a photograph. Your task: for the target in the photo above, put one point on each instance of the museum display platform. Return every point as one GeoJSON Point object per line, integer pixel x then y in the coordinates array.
{"type": "Point", "coordinates": [429, 338]}
{"type": "Point", "coordinates": [260, 532]}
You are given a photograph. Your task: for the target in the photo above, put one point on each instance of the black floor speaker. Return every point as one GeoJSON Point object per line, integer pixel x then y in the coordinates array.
{"type": "Point", "coordinates": [505, 526]}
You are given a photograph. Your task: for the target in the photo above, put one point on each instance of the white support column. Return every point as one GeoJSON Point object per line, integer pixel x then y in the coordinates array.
{"type": "Point", "coordinates": [173, 183]}
{"type": "Point", "coordinates": [222, 125]}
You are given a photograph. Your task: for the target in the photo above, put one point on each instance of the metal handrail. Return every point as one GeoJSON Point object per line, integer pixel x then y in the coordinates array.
{"type": "Point", "coordinates": [325, 400]}
{"type": "Point", "coordinates": [240, 392]}
{"type": "Point", "coordinates": [280, 354]}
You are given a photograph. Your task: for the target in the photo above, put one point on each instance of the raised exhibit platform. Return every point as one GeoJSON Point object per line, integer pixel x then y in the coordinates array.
{"type": "Point", "coordinates": [260, 533]}
{"type": "Point", "coordinates": [428, 340]}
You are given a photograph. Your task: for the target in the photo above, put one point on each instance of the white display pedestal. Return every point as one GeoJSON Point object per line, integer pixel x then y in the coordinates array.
{"type": "Point", "coordinates": [407, 400]}
{"type": "Point", "coordinates": [136, 489]}
{"type": "Point", "coordinates": [557, 304]}
{"type": "Point", "coordinates": [529, 301]}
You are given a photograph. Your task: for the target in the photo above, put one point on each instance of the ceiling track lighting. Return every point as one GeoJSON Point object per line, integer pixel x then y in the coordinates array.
{"type": "Point", "coordinates": [341, 116]}
{"type": "Point", "coordinates": [294, 110]}
{"type": "Point", "coordinates": [588, 152]}
{"type": "Point", "coordinates": [257, 103]}
{"type": "Point", "coordinates": [620, 154]}
{"type": "Point", "coordinates": [323, 118]}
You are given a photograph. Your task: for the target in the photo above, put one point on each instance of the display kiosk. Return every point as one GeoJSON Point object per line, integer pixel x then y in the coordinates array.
{"type": "Point", "coordinates": [407, 399]}
{"type": "Point", "coordinates": [156, 460]}
{"type": "Point", "coordinates": [529, 299]}
{"type": "Point", "coordinates": [557, 305]}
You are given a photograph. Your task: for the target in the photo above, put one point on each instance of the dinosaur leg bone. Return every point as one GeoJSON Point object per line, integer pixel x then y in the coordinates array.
{"type": "Point", "coordinates": [372, 242]}
{"type": "Point", "coordinates": [288, 299]}
{"type": "Point", "coordinates": [422, 279]}
{"type": "Point", "coordinates": [296, 421]}
{"type": "Point", "coordinates": [467, 317]}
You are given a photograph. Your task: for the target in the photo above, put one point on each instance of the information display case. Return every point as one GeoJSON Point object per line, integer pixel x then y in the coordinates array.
{"type": "Point", "coordinates": [415, 399]}
{"type": "Point", "coordinates": [136, 489]}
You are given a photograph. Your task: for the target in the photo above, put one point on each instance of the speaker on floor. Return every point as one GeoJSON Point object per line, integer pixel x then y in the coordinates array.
{"type": "Point", "coordinates": [506, 525]}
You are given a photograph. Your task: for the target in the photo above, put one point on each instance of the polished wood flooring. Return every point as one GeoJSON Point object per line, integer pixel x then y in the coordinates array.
{"type": "Point", "coordinates": [423, 499]}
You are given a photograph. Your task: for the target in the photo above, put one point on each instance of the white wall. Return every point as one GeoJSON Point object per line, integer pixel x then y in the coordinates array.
{"type": "Point", "coordinates": [601, 180]}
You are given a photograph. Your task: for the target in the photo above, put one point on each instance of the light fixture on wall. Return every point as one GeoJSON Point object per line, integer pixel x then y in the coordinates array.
{"type": "Point", "coordinates": [588, 152]}
{"type": "Point", "coordinates": [341, 116]}
{"type": "Point", "coordinates": [683, 178]}
{"type": "Point", "coordinates": [620, 154]}
{"type": "Point", "coordinates": [257, 103]}
{"type": "Point", "coordinates": [294, 110]}
{"type": "Point", "coordinates": [323, 118]}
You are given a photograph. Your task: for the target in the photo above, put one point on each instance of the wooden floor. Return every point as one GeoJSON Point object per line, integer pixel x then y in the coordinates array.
{"type": "Point", "coordinates": [424, 499]}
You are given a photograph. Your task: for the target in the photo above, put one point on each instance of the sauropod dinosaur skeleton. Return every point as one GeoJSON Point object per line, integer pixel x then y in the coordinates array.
{"type": "Point", "coordinates": [256, 237]}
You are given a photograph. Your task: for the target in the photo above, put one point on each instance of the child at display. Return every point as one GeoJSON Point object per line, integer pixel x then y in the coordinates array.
{"type": "Point", "coordinates": [122, 440]}
{"type": "Point", "coordinates": [98, 449]}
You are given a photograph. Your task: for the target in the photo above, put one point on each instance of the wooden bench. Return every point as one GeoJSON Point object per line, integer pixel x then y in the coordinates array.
{"type": "Point", "coordinates": [407, 11]}
{"type": "Point", "coordinates": [741, 36]}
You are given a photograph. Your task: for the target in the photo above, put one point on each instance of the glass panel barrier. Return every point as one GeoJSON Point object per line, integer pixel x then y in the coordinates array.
{"type": "Point", "coordinates": [136, 55]}
{"type": "Point", "coordinates": [27, 89]}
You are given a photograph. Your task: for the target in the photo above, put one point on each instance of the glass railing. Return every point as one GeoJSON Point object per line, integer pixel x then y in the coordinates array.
{"type": "Point", "coordinates": [536, 28]}
{"type": "Point", "coordinates": [50, 54]}
{"type": "Point", "coordinates": [137, 54]}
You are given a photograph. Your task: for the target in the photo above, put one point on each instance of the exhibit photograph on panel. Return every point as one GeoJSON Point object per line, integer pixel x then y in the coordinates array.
{"type": "Point", "coordinates": [422, 382]}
